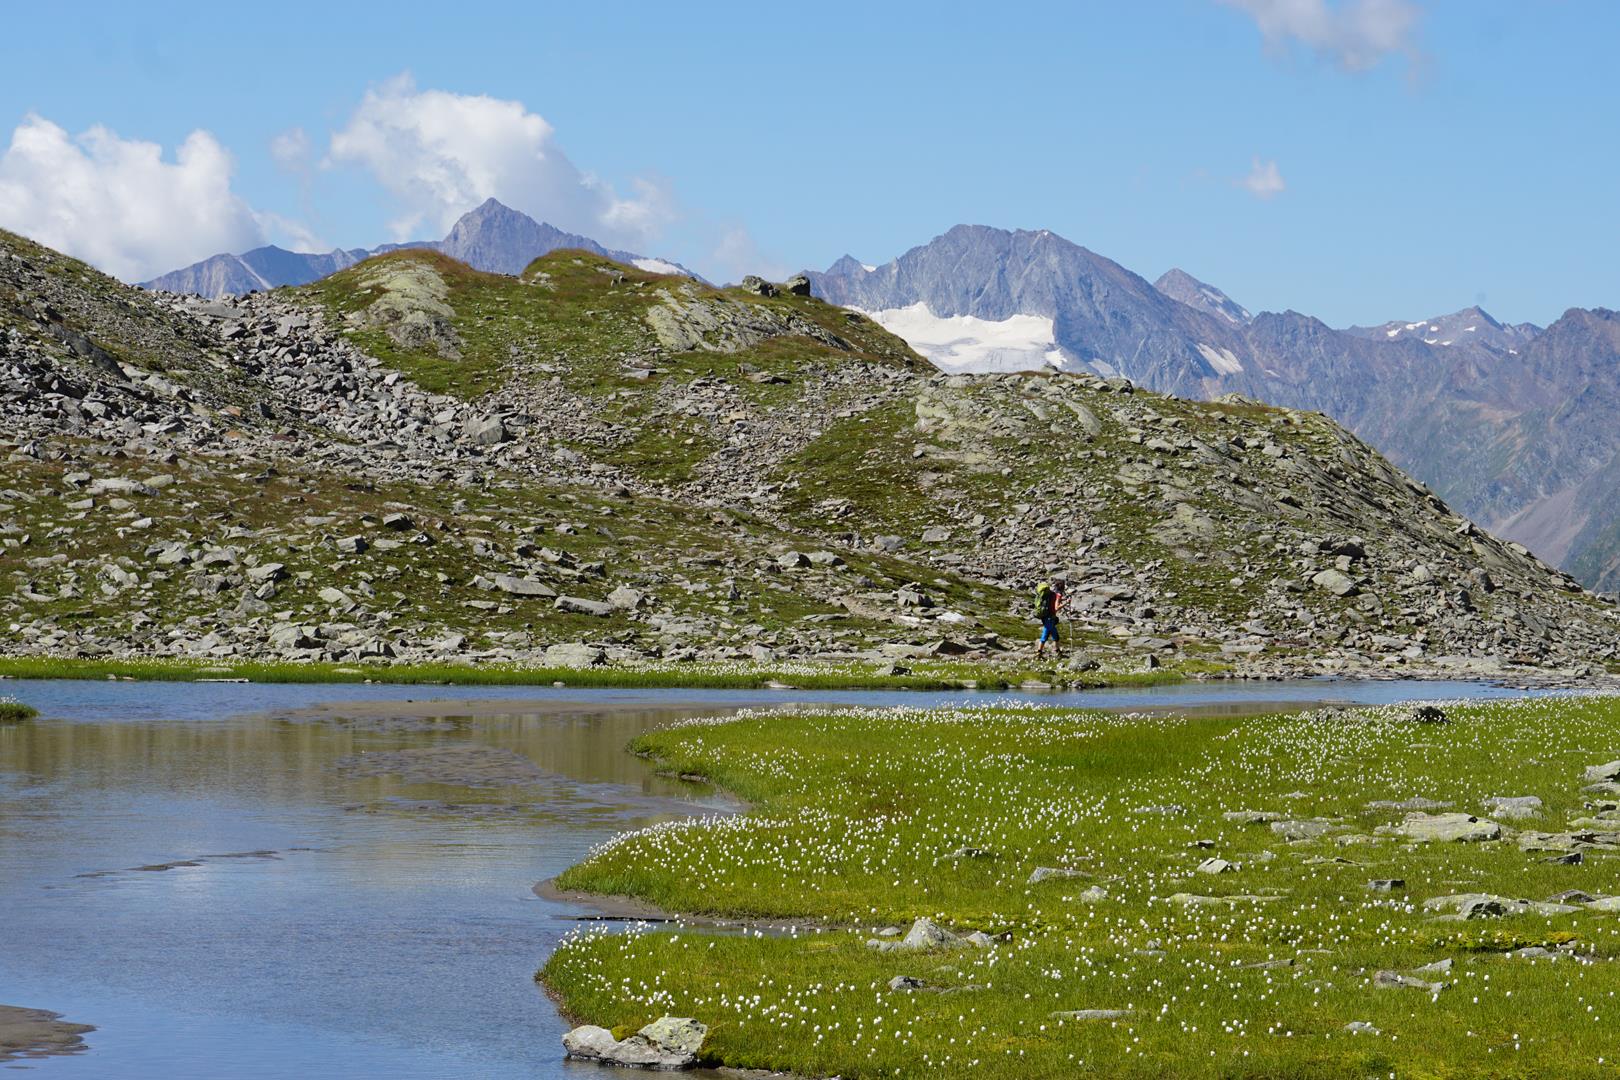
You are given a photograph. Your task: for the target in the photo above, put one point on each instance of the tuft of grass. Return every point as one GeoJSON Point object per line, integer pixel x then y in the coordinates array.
{"type": "Point", "coordinates": [12, 712]}
{"type": "Point", "coordinates": [862, 818]}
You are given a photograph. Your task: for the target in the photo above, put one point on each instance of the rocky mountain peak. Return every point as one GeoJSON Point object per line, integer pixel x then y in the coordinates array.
{"type": "Point", "coordinates": [1180, 285]}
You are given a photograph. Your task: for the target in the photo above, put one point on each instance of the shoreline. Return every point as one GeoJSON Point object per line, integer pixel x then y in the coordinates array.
{"type": "Point", "coordinates": [808, 675]}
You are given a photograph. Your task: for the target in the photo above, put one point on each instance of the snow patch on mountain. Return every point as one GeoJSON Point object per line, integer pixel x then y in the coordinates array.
{"type": "Point", "coordinates": [959, 343]}
{"type": "Point", "coordinates": [1221, 360]}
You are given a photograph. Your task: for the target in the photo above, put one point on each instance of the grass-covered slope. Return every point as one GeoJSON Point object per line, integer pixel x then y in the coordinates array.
{"type": "Point", "coordinates": [1263, 963]}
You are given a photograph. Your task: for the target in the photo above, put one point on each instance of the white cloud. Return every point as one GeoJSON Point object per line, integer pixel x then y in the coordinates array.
{"type": "Point", "coordinates": [118, 204]}
{"type": "Point", "coordinates": [441, 154]}
{"type": "Point", "coordinates": [290, 149]}
{"type": "Point", "coordinates": [1263, 180]}
{"type": "Point", "coordinates": [1355, 34]}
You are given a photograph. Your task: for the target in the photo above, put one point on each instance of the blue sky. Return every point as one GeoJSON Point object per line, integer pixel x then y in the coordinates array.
{"type": "Point", "coordinates": [1405, 158]}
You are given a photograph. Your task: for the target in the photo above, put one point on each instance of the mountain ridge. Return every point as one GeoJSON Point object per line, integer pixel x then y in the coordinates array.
{"type": "Point", "coordinates": [492, 237]}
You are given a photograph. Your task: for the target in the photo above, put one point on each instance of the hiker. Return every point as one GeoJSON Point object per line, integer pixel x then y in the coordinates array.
{"type": "Point", "coordinates": [1049, 600]}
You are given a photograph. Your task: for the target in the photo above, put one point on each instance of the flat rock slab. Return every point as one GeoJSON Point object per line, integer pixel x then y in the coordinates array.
{"type": "Point", "coordinates": [36, 1033]}
{"type": "Point", "coordinates": [1302, 829]}
{"type": "Point", "coordinates": [1458, 828]}
{"type": "Point", "coordinates": [1596, 774]}
{"type": "Point", "coordinates": [1515, 807]}
{"type": "Point", "coordinates": [467, 766]}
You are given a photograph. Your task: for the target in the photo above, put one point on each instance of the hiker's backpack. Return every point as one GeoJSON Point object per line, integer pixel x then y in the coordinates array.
{"type": "Point", "coordinates": [1045, 601]}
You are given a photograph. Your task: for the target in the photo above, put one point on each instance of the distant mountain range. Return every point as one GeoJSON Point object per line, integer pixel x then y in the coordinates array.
{"type": "Point", "coordinates": [491, 237]}
{"type": "Point", "coordinates": [1518, 426]}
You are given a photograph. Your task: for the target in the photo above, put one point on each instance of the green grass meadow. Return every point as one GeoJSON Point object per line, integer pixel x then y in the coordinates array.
{"type": "Point", "coordinates": [869, 818]}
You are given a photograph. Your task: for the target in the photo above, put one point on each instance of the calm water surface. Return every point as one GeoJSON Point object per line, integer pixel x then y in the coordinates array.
{"type": "Point", "coordinates": [210, 884]}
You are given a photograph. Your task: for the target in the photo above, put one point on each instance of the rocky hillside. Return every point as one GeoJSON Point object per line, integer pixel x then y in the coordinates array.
{"type": "Point", "coordinates": [1514, 424]}
{"type": "Point", "coordinates": [413, 460]}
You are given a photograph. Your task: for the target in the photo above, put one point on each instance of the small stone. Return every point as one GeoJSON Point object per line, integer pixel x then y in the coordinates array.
{"type": "Point", "coordinates": [1387, 885]}
{"type": "Point", "coordinates": [626, 599]}
{"type": "Point", "coordinates": [485, 431]}
{"type": "Point", "coordinates": [1250, 817]}
{"type": "Point", "coordinates": [1335, 582]}
{"type": "Point", "coordinates": [1361, 1027]}
{"type": "Point", "coordinates": [905, 982]}
{"type": "Point", "coordinates": [1394, 980]}
{"type": "Point", "coordinates": [1215, 866]}
{"type": "Point", "coordinates": [1090, 1014]}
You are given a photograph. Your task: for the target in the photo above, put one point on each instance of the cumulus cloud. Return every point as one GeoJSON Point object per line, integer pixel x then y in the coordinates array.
{"type": "Point", "coordinates": [116, 202]}
{"type": "Point", "coordinates": [1263, 181]}
{"type": "Point", "coordinates": [440, 154]}
{"type": "Point", "coordinates": [1354, 34]}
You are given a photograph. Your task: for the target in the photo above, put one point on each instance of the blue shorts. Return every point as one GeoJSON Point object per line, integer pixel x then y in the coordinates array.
{"type": "Point", "coordinates": [1049, 629]}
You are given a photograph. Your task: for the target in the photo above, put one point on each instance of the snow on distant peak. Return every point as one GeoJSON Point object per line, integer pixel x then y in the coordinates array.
{"type": "Point", "coordinates": [658, 266]}
{"type": "Point", "coordinates": [962, 343]}
{"type": "Point", "coordinates": [869, 268]}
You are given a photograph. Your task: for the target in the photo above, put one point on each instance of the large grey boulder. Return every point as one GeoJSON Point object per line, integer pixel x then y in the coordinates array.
{"type": "Point", "coordinates": [667, 1044]}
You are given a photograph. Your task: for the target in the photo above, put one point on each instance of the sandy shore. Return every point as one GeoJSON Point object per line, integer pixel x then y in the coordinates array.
{"type": "Point", "coordinates": [36, 1033]}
